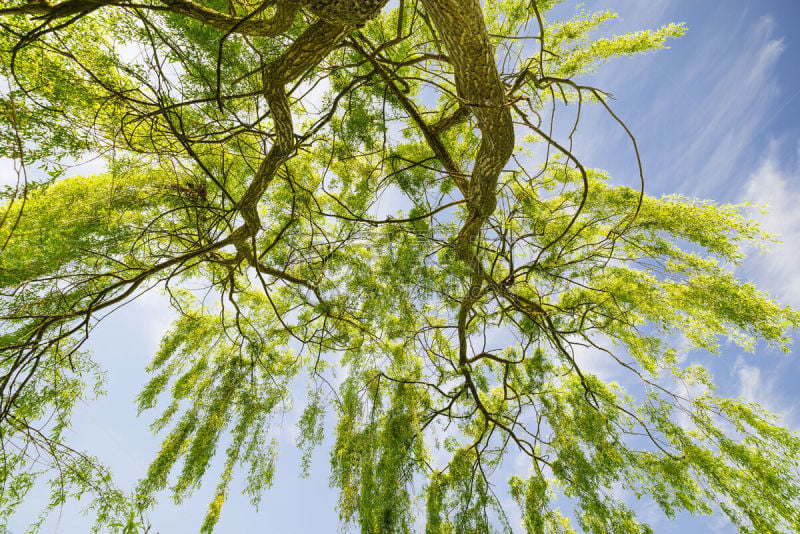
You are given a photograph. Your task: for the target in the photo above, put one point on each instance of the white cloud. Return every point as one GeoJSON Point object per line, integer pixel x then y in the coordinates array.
{"type": "Point", "coordinates": [774, 184]}
{"type": "Point", "coordinates": [759, 387]}
{"type": "Point", "coordinates": [601, 364]}
{"type": "Point", "coordinates": [749, 380]}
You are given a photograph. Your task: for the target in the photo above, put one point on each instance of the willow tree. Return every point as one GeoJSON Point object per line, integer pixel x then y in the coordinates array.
{"type": "Point", "coordinates": [247, 147]}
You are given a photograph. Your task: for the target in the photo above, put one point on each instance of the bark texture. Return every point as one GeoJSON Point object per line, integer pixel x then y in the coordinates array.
{"type": "Point", "coordinates": [462, 28]}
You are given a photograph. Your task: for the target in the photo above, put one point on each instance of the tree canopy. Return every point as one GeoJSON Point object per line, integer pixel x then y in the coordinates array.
{"type": "Point", "coordinates": [251, 149]}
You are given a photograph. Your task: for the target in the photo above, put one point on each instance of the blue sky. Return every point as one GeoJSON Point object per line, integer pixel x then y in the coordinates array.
{"type": "Point", "coordinates": [716, 116]}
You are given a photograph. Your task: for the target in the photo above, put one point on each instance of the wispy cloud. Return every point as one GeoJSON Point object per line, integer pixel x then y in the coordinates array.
{"type": "Point", "coordinates": [730, 94]}
{"type": "Point", "coordinates": [735, 106]}
{"type": "Point", "coordinates": [698, 128]}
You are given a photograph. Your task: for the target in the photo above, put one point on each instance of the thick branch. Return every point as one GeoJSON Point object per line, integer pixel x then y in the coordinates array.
{"type": "Point", "coordinates": [308, 50]}
{"type": "Point", "coordinates": [275, 25]}
{"type": "Point", "coordinates": [463, 31]}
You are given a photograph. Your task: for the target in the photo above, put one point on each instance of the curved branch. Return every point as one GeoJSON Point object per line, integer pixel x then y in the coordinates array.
{"type": "Point", "coordinates": [462, 28]}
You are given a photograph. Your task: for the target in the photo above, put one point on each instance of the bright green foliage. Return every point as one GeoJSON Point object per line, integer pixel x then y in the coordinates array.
{"type": "Point", "coordinates": [249, 178]}
{"type": "Point", "coordinates": [217, 382]}
{"type": "Point", "coordinates": [374, 465]}
{"type": "Point", "coordinates": [578, 53]}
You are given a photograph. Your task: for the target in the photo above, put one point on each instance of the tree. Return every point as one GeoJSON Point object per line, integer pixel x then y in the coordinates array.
{"type": "Point", "coordinates": [247, 146]}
